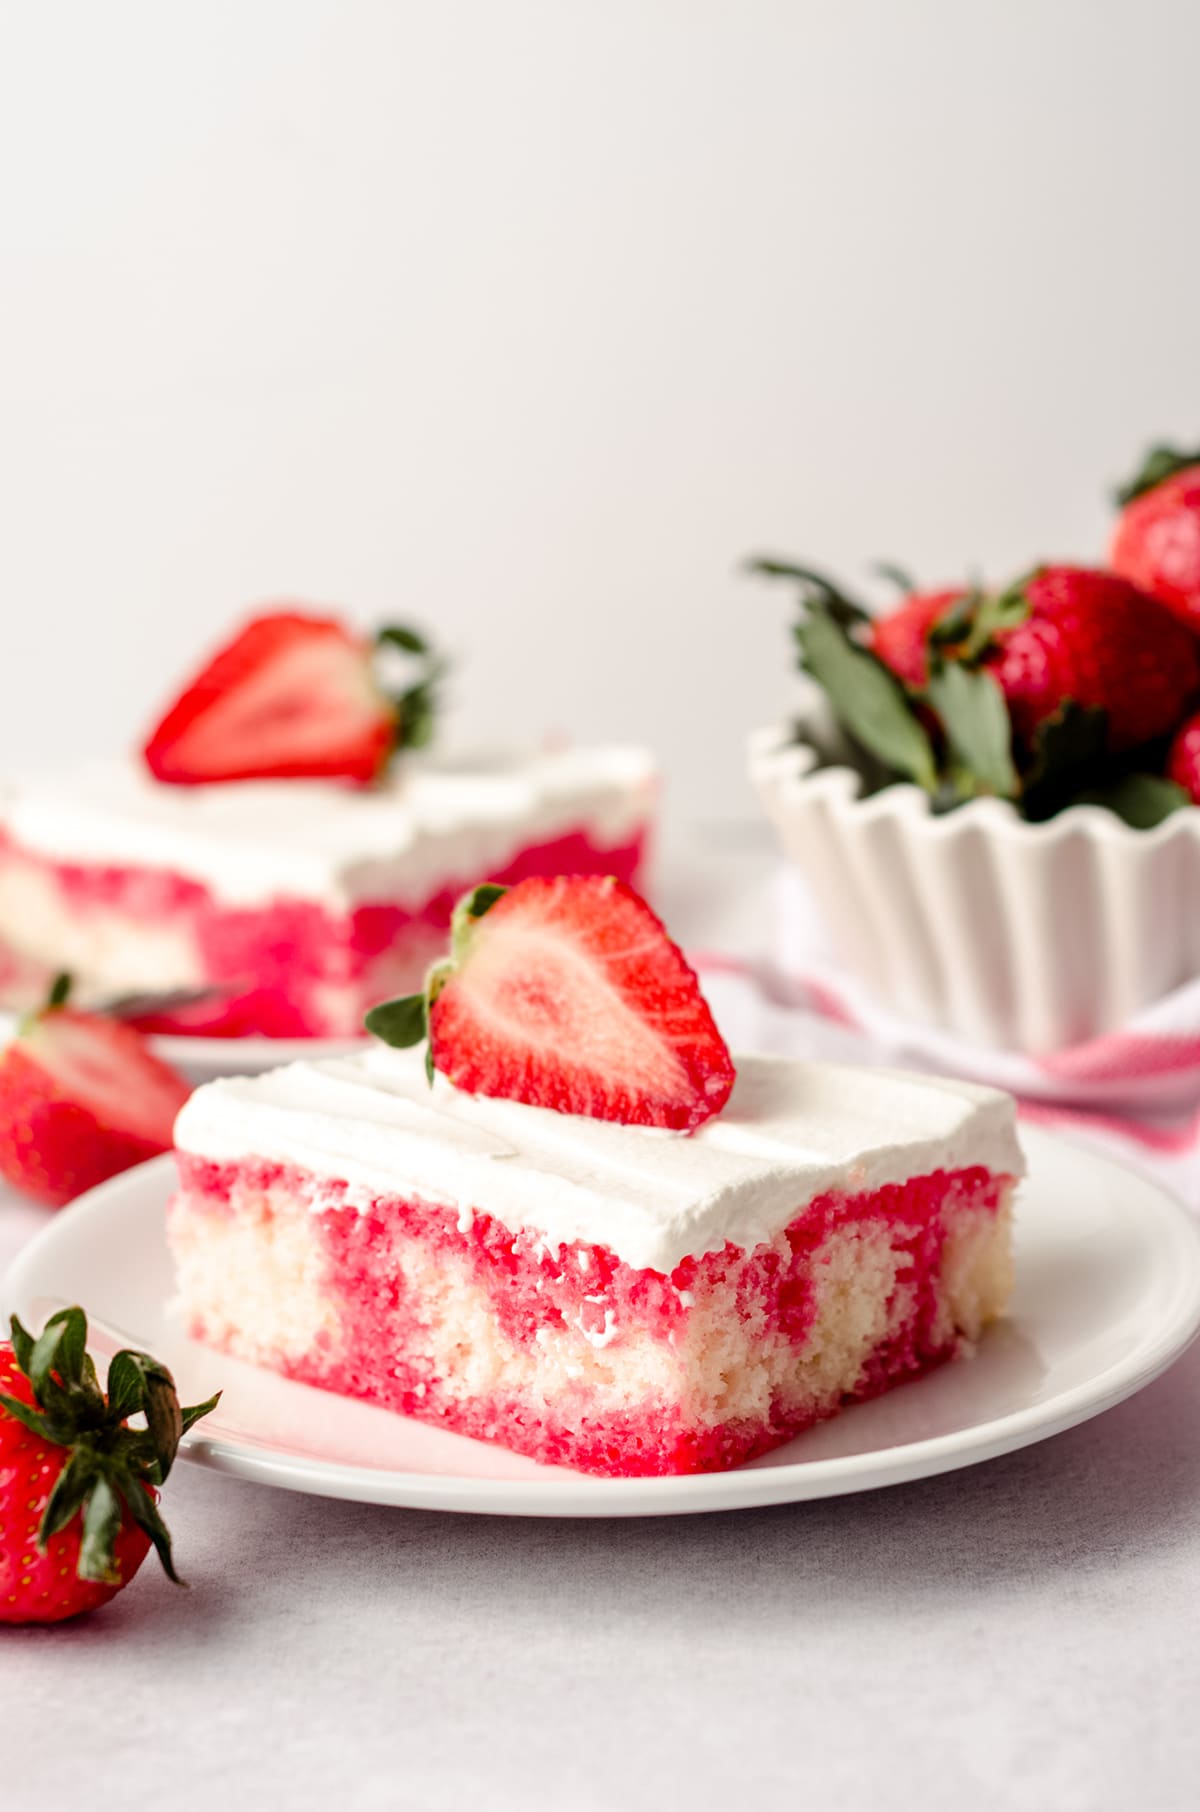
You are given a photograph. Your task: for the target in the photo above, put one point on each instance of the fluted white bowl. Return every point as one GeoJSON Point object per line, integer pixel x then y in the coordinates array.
{"type": "Point", "coordinates": [1027, 937]}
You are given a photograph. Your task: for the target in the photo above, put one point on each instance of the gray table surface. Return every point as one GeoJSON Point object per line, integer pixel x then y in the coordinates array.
{"type": "Point", "coordinates": [1025, 1634]}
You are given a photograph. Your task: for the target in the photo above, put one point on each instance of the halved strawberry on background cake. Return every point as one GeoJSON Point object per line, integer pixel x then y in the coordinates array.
{"type": "Point", "coordinates": [570, 1228]}
{"type": "Point", "coordinates": [285, 849]}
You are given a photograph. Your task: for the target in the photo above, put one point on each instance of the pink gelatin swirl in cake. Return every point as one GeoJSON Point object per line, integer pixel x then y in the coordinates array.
{"type": "Point", "coordinates": [569, 1354]}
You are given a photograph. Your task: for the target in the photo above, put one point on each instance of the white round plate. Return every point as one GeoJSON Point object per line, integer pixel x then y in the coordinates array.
{"type": "Point", "coordinates": [1108, 1294]}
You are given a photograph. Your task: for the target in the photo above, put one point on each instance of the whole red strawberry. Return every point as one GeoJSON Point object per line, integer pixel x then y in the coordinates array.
{"type": "Point", "coordinates": [81, 1098]}
{"type": "Point", "coordinates": [567, 993]}
{"type": "Point", "coordinates": [900, 637]}
{"type": "Point", "coordinates": [79, 1487]}
{"type": "Point", "coordinates": [1183, 758]}
{"type": "Point", "coordinates": [1156, 543]}
{"type": "Point", "coordinates": [1093, 638]}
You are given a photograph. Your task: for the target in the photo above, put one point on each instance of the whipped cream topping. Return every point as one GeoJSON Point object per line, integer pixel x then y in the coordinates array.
{"type": "Point", "coordinates": [791, 1131]}
{"type": "Point", "coordinates": [433, 819]}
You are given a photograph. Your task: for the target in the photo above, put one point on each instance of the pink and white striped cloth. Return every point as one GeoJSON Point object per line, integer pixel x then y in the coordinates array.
{"type": "Point", "coordinates": [1135, 1093]}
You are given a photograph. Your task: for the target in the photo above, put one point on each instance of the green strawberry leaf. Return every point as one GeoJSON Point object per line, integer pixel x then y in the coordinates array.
{"type": "Point", "coordinates": [992, 614]}
{"type": "Point", "coordinates": [144, 1511]}
{"type": "Point", "coordinates": [1161, 462]}
{"type": "Point", "coordinates": [953, 790]}
{"type": "Point", "coordinates": [1139, 800]}
{"type": "Point", "coordinates": [481, 899]}
{"type": "Point", "coordinates": [956, 625]}
{"type": "Point", "coordinates": [125, 1390]}
{"type": "Point", "coordinates": [405, 1022]}
{"type": "Point", "coordinates": [60, 990]}
{"type": "Point", "coordinates": [22, 1342]}
{"type": "Point", "coordinates": [816, 591]}
{"type": "Point", "coordinates": [400, 635]}
{"type": "Point", "coordinates": [192, 1413]}
{"type": "Point", "coordinates": [101, 1526]}
{"type": "Point", "coordinates": [417, 712]}
{"type": "Point", "coordinates": [401, 1022]}
{"type": "Point", "coordinates": [868, 699]}
{"type": "Point", "coordinates": [973, 713]}
{"type": "Point", "coordinates": [58, 1348]}
{"type": "Point", "coordinates": [416, 704]}
{"type": "Point", "coordinates": [32, 1419]}
{"type": "Point", "coordinates": [417, 708]}
{"type": "Point", "coordinates": [164, 1418]}
{"type": "Point", "coordinates": [895, 575]}
{"type": "Point", "coordinates": [69, 1495]}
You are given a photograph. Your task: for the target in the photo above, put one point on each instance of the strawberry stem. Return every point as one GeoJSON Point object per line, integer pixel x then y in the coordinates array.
{"type": "Point", "coordinates": [815, 589]}
{"type": "Point", "coordinates": [109, 1464]}
{"type": "Point", "coordinates": [401, 1023]}
{"type": "Point", "coordinates": [1160, 463]}
{"type": "Point", "coordinates": [60, 990]}
{"type": "Point", "coordinates": [416, 705]}
{"type": "Point", "coordinates": [895, 575]}
{"type": "Point", "coordinates": [404, 1022]}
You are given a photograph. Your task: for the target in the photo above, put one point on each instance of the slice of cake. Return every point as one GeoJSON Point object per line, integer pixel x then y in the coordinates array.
{"type": "Point", "coordinates": [300, 902]}
{"type": "Point", "coordinates": [602, 1292]}
{"type": "Point", "coordinates": [610, 1297]}
{"type": "Point", "coordinates": [266, 855]}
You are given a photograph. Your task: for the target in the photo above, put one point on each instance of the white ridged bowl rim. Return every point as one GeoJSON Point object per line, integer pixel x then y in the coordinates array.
{"type": "Point", "coordinates": [781, 760]}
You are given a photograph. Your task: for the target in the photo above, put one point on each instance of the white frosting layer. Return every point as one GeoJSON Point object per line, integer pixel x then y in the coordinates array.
{"type": "Point", "coordinates": [790, 1131]}
{"type": "Point", "coordinates": [435, 819]}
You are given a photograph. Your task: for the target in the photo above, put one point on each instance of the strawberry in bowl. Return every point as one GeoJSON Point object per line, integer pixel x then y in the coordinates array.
{"type": "Point", "coordinates": [1156, 542]}
{"type": "Point", "coordinates": [989, 794]}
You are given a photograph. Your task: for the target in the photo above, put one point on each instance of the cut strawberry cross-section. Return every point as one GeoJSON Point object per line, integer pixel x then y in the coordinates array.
{"type": "Point", "coordinates": [567, 993]}
{"type": "Point", "coordinates": [292, 697]}
{"type": "Point", "coordinates": [81, 1098]}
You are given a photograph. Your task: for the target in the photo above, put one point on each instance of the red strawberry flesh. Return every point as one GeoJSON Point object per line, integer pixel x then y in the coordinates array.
{"type": "Point", "coordinates": [291, 697]}
{"type": "Point", "coordinates": [570, 995]}
{"type": "Point", "coordinates": [900, 637]}
{"type": "Point", "coordinates": [1095, 639]}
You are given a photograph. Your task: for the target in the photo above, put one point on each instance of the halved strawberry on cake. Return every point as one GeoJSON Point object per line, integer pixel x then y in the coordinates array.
{"type": "Point", "coordinates": [571, 1229]}
{"type": "Point", "coordinates": [268, 864]}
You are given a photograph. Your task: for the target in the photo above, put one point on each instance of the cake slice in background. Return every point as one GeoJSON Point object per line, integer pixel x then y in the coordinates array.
{"type": "Point", "coordinates": [303, 901]}
{"type": "Point", "coordinates": [559, 1272]}
{"type": "Point", "coordinates": [269, 852]}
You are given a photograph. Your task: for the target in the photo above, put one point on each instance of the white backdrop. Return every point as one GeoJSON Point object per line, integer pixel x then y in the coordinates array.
{"type": "Point", "coordinates": [527, 319]}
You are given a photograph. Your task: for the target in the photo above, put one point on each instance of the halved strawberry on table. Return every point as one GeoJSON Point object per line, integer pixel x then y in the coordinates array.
{"type": "Point", "coordinates": [82, 1097]}
{"type": "Point", "coordinates": [567, 993]}
{"type": "Point", "coordinates": [79, 1487]}
{"type": "Point", "coordinates": [295, 696]}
